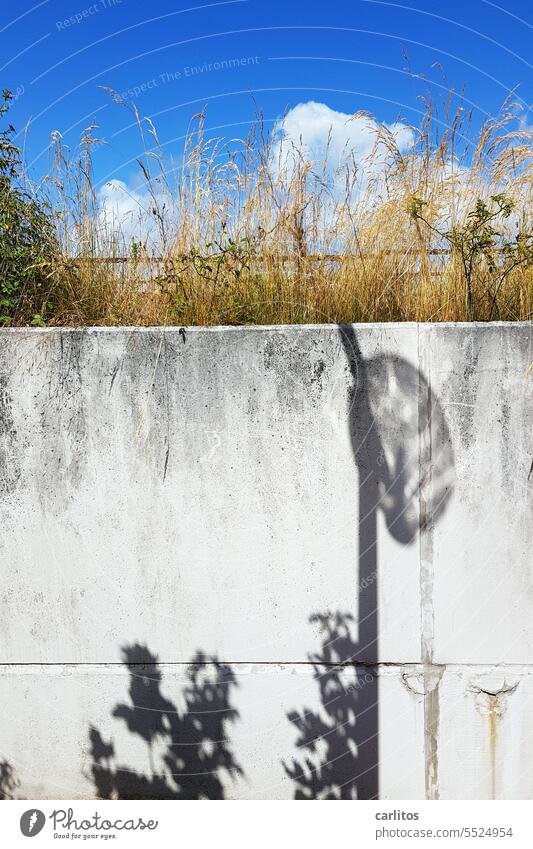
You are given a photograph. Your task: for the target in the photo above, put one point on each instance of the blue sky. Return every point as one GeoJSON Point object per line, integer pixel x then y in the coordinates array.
{"type": "Point", "coordinates": [173, 58]}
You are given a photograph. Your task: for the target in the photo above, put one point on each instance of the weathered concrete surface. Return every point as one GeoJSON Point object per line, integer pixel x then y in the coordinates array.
{"type": "Point", "coordinates": [213, 490]}
{"type": "Point", "coordinates": [151, 479]}
{"type": "Point", "coordinates": [482, 547]}
{"type": "Point", "coordinates": [61, 702]}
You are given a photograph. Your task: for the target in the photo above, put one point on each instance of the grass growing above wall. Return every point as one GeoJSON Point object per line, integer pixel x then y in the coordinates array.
{"type": "Point", "coordinates": [253, 232]}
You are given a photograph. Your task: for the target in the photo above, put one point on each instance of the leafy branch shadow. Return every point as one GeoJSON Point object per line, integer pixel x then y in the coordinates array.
{"type": "Point", "coordinates": [189, 752]}
{"type": "Point", "coordinates": [8, 781]}
{"type": "Point", "coordinates": [339, 740]}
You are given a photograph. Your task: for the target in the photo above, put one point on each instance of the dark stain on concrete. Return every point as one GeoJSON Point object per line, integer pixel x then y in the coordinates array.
{"type": "Point", "coordinates": [9, 465]}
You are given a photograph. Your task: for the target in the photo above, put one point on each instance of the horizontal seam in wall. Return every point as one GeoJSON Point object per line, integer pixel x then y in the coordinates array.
{"type": "Point", "coordinates": [346, 664]}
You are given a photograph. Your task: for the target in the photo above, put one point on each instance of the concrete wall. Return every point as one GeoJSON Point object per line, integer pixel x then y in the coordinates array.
{"type": "Point", "coordinates": [267, 562]}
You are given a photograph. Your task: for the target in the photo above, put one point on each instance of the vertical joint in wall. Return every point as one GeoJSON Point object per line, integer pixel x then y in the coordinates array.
{"type": "Point", "coordinates": [432, 674]}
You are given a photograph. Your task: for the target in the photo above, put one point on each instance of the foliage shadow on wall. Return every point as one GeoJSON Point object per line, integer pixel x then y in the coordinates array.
{"type": "Point", "coordinates": [8, 781]}
{"type": "Point", "coordinates": [189, 751]}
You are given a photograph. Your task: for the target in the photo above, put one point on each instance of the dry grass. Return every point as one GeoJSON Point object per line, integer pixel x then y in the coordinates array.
{"type": "Point", "coordinates": [252, 232]}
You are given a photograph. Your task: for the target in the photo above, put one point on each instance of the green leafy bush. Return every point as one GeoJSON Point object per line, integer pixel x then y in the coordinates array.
{"type": "Point", "coordinates": [27, 239]}
{"type": "Point", "coordinates": [482, 245]}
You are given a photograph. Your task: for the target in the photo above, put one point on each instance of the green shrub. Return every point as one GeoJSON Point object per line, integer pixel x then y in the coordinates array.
{"type": "Point", "coordinates": [27, 239]}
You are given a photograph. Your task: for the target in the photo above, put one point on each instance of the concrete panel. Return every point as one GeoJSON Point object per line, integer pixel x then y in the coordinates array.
{"type": "Point", "coordinates": [67, 743]}
{"type": "Point", "coordinates": [193, 489]}
{"type": "Point", "coordinates": [485, 733]}
{"type": "Point", "coordinates": [481, 548]}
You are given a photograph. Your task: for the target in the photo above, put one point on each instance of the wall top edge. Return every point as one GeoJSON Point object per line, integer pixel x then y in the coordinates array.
{"type": "Point", "coordinates": [254, 328]}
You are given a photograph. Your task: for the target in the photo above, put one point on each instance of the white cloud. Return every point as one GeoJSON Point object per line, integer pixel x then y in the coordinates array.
{"type": "Point", "coordinates": [330, 141]}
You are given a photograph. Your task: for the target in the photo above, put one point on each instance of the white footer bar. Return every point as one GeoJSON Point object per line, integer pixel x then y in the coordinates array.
{"type": "Point", "coordinates": [257, 824]}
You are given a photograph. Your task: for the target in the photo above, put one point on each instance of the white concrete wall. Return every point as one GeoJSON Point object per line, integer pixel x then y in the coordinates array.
{"type": "Point", "coordinates": [209, 490]}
